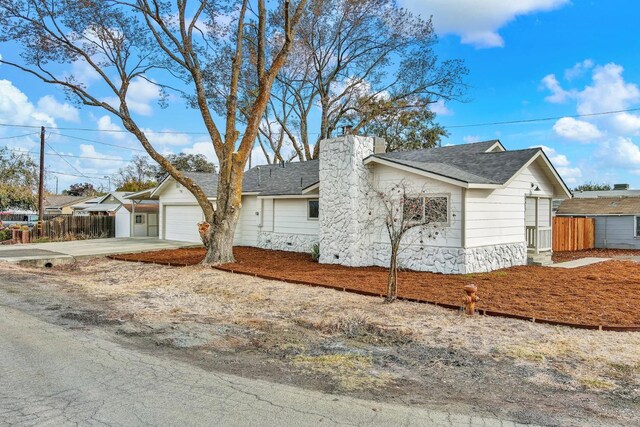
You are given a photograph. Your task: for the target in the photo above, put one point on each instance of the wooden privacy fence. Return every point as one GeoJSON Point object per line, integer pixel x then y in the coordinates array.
{"type": "Point", "coordinates": [69, 227]}
{"type": "Point", "coordinates": [573, 234]}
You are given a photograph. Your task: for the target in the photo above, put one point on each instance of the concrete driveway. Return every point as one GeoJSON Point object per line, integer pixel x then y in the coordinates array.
{"type": "Point", "coordinates": [49, 254]}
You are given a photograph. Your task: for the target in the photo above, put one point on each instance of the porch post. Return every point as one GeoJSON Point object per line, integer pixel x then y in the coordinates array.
{"type": "Point", "coordinates": [536, 233]}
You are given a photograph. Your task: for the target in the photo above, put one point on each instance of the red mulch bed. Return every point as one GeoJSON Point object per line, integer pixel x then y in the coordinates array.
{"type": "Point", "coordinates": [597, 253]}
{"type": "Point", "coordinates": [603, 294]}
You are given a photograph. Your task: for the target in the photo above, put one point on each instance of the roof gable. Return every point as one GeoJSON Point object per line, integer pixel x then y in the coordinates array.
{"type": "Point", "coordinates": [477, 163]}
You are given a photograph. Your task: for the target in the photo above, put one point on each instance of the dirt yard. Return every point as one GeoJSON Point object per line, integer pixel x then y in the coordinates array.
{"type": "Point", "coordinates": [599, 294]}
{"type": "Point", "coordinates": [344, 343]}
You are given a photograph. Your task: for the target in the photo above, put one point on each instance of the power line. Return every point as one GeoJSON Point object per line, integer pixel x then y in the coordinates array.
{"type": "Point", "coordinates": [70, 155]}
{"type": "Point", "coordinates": [19, 136]}
{"type": "Point", "coordinates": [65, 160]}
{"type": "Point", "coordinates": [97, 142]}
{"type": "Point", "coordinates": [70, 174]}
{"type": "Point", "coordinates": [544, 119]}
{"type": "Point", "coordinates": [168, 132]}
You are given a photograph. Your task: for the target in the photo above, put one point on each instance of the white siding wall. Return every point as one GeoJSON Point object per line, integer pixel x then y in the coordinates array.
{"type": "Point", "coordinates": [247, 229]}
{"type": "Point", "coordinates": [123, 223]}
{"type": "Point", "coordinates": [290, 217]}
{"type": "Point", "coordinates": [385, 177]}
{"type": "Point", "coordinates": [173, 194]}
{"type": "Point", "coordinates": [498, 216]}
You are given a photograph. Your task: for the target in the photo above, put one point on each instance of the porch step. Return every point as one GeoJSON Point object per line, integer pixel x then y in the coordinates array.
{"type": "Point", "coordinates": [539, 259]}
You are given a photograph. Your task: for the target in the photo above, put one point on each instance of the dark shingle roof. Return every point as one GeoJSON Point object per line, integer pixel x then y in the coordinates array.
{"type": "Point", "coordinates": [272, 180]}
{"type": "Point", "coordinates": [205, 180]}
{"type": "Point", "coordinates": [267, 180]}
{"type": "Point", "coordinates": [467, 163]}
{"type": "Point", "coordinates": [601, 206]}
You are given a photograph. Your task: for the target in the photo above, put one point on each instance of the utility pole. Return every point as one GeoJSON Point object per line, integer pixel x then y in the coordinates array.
{"type": "Point", "coordinates": [41, 183]}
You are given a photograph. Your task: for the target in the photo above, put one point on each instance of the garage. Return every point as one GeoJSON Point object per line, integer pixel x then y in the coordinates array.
{"type": "Point", "coordinates": [182, 223]}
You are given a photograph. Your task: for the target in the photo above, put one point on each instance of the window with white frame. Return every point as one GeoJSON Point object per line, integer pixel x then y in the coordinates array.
{"type": "Point", "coordinates": [427, 209]}
{"type": "Point", "coordinates": [139, 219]}
{"type": "Point", "coordinates": [313, 209]}
{"type": "Point", "coordinates": [637, 233]}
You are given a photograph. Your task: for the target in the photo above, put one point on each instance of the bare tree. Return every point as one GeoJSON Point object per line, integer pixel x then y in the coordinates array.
{"type": "Point", "coordinates": [356, 61]}
{"type": "Point", "coordinates": [138, 175]}
{"type": "Point", "coordinates": [405, 209]}
{"type": "Point", "coordinates": [183, 47]}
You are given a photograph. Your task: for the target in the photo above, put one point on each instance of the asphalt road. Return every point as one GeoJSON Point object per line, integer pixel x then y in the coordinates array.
{"type": "Point", "coordinates": [50, 375]}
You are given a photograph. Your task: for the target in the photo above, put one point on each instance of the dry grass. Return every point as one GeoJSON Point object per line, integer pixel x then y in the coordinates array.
{"type": "Point", "coordinates": [350, 372]}
{"type": "Point", "coordinates": [155, 294]}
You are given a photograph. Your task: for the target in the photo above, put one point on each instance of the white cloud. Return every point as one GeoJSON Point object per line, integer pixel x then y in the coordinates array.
{"type": "Point", "coordinates": [257, 157]}
{"type": "Point", "coordinates": [608, 91]}
{"type": "Point", "coordinates": [569, 174]}
{"type": "Point", "coordinates": [578, 130]}
{"type": "Point", "coordinates": [16, 108]}
{"type": "Point", "coordinates": [169, 138]}
{"type": "Point", "coordinates": [471, 139]}
{"type": "Point", "coordinates": [106, 125]}
{"type": "Point", "coordinates": [621, 152]}
{"type": "Point", "coordinates": [99, 159]}
{"type": "Point", "coordinates": [49, 105]}
{"type": "Point", "coordinates": [558, 95]}
{"type": "Point", "coordinates": [440, 108]}
{"type": "Point", "coordinates": [205, 148]}
{"type": "Point", "coordinates": [83, 73]}
{"type": "Point", "coordinates": [626, 123]}
{"type": "Point", "coordinates": [477, 23]}
{"type": "Point", "coordinates": [141, 96]}
{"type": "Point", "coordinates": [578, 70]}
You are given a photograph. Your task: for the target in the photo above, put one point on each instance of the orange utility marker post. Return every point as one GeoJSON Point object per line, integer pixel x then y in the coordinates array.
{"type": "Point", "coordinates": [471, 299]}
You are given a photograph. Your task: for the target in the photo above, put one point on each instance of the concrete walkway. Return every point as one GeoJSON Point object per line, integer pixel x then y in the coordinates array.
{"type": "Point", "coordinates": [581, 262]}
{"type": "Point", "coordinates": [49, 254]}
{"type": "Point", "coordinates": [57, 377]}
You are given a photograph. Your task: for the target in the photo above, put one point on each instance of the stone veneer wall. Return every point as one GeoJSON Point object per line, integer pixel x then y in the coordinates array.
{"type": "Point", "coordinates": [286, 242]}
{"type": "Point", "coordinates": [344, 201]}
{"type": "Point", "coordinates": [489, 258]}
{"type": "Point", "coordinates": [449, 260]}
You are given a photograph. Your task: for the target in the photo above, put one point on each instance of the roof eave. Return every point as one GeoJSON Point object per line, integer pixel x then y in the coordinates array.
{"type": "Point", "coordinates": [390, 163]}
{"type": "Point", "coordinates": [540, 153]}
{"type": "Point", "coordinates": [311, 188]}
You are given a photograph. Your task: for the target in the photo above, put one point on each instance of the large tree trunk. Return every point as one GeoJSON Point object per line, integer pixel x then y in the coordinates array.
{"type": "Point", "coordinates": [218, 239]}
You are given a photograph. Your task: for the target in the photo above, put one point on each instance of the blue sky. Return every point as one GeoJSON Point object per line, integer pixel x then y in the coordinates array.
{"type": "Point", "coordinates": [528, 59]}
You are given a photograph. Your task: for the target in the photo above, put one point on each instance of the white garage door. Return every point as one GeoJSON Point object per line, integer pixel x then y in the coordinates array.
{"type": "Point", "coordinates": [181, 222]}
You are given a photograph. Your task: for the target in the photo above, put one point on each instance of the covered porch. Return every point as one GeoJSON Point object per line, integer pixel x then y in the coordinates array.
{"type": "Point", "coordinates": [538, 229]}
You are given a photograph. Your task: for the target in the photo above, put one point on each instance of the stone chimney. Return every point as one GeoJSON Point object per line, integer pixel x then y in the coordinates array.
{"type": "Point", "coordinates": [344, 201]}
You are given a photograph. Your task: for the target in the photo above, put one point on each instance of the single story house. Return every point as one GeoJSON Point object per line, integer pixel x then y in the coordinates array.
{"type": "Point", "coordinates": [498, 205]}
{"type": "Point", "coordinates": [61, 204]}
{"type": "Point", "coordinates": [133, 219]}
{"type": "Point", "coordinates": [617, 219]}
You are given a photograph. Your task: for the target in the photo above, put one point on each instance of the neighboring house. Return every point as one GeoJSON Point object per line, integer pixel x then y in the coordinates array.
{"type": "Point", "coordinates": [133, 219]}
{"type": "Point", "coordinates": [617, 219]}
{"type": "Point", "coordinates": [62, 204]}
{"type": "Point", "coordinates": [498, 205]}
{"type": "Point", "coordinates": [619, 190]}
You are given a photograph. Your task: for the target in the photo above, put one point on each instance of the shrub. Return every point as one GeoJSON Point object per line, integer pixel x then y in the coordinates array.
{"type": "Point", "coordinates": [5, 235]}
{"type": "Point", "coordinates": [315, 252]}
